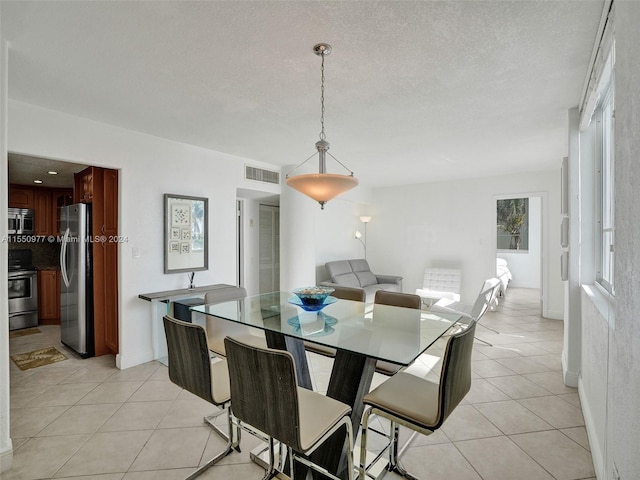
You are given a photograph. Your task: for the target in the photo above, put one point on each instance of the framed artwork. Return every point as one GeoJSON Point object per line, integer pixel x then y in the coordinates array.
{"type": "Point", "coordinates": [185, 233]}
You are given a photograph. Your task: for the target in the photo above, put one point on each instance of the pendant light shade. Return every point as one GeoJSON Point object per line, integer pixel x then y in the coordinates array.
{"type": "Point", "coordinates": [322, 186]}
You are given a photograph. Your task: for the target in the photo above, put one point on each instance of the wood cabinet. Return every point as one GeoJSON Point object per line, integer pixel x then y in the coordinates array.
{"type": "Point", "coordinates": [83, 185]}
{"type": "Point", "coordinates": [49, 297]}
{"type": "Point", "coordinates": [20, 196]}
{"type": "Point", "coordinates": [45, 202]}
{"type": "Point", "coordinates": [42, 211]}
{"type": "Point", "coordinates": [99, 186]}
{"type": "Point", "coordinates": [60, 197]}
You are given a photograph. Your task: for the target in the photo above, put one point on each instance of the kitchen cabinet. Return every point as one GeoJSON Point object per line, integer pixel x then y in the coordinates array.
{"type": "Point", "coordinates": [20, 196]}
{"type": "Point", "coordinates": [83, 184]}
{"type": "Point", "coordinates": [49, 296]}
{"type": "Point", "coordinates": [99, 186]}
{"type": "Point", "coordinates": [60, 197]}
{"type": "Point", "coordinates": [46, 205]}
{"type": "Point", "coordinates": [45, 202]}
{"type": "Point", "coordinates": [42, 211]}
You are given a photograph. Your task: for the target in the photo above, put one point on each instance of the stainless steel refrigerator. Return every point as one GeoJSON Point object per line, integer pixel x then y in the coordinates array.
{"type": "Point", "coordinates": [76, 302]}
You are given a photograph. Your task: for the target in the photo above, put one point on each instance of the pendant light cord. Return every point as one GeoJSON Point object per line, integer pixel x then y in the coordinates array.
{"type": "Point", "coordinates": [322, 134]}
{"type": "Point", "coordinates": [322, 52]}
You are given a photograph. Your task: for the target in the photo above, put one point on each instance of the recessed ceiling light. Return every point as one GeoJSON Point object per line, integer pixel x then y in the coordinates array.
{"type": "Point", "coordinates": [37, 181]}
{"type": "Point", "coordinates": [52, 173]}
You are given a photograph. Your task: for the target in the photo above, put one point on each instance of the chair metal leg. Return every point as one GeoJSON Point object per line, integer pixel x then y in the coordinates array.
{"type": "Point", "coordinates": [271, 470]}
{"type": "Point", "coordinates": [362, 469]}
{"type": "Point", "coordinates": [395, 452]}
{"type": "Point", "coordinates": [393, 446]}
{"type": "Point", "coordinates": [484, 341]}
{"type": "Point", "coordinates": [394, 463]}
{"type": "Point", "coordinates": [209, 420]}
{"type": "Point", "coordinates": [228, 447]}
{"type": "Point", "coordinates": [488, 328]}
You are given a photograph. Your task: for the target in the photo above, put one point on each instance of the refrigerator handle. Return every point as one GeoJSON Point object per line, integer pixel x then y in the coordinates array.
{"type": "Point", "coordinates": [63, 258]}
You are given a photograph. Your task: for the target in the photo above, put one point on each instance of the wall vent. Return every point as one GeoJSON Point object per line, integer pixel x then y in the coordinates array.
{"type": "Point", "coordinates": [261, 175]}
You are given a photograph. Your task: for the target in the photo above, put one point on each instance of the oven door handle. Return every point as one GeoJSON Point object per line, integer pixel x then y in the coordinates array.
{"type": "Point", "coordinates": [20, 277]}
{"type": "Point", "coordinates": [63, 258]}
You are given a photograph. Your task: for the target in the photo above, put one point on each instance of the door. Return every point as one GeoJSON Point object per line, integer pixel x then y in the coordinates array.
{"type": "Point", "coordinates": [269, 248]}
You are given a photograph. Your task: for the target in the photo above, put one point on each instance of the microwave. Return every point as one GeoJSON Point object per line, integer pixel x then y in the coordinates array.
{"type": "Point", "coordinates": [21, 221]}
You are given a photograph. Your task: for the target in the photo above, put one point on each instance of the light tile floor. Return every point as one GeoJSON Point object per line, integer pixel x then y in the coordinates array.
{"type": "Point", "coordinates": [87, 419]}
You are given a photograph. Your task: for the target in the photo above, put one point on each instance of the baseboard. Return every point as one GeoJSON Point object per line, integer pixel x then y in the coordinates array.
{"type": "Point", "coordinates": [6, 458]}
{"type": "Point", "coordinates": [555, 315]}
{"type": "Point", "coordinates": [571, 379]}
{"type": "Point", "coordinates": [594, 445]}
{"type": "Point", "coordinates": [128, 361]}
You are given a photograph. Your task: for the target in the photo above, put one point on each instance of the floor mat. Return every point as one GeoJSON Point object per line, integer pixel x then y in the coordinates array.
{"type": "Point", "coordinates": [38, 358]}
{"type": "Point", "coordinates": [23, 332]}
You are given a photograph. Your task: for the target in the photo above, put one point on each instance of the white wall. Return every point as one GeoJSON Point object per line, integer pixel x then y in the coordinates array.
{"type": "Point", "coordinates": [594, 375]}
{"type": "Point", "coordinates": [525, 265]}
{"type": "Point", "coordinates": [452, 224]}
{"type": "Point", "coordinates": [6, 449]}
{"type": "Point", "coordinates": [623, 400]}
{"type": "Point", "coordinates": [609, 383]}
{"type": "Point", "coordinates": [149, 167]}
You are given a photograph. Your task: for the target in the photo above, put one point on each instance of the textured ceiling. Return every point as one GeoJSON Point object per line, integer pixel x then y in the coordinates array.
{"type": "Point", "coordinates": [415, 91]}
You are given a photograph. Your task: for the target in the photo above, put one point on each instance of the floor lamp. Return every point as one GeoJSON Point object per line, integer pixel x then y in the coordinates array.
{"type": "Point", "coordinates": [361, 237]}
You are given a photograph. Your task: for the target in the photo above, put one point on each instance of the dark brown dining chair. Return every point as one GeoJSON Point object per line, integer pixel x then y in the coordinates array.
{"type": "Point", "coordinates": [267, 397]}
{"type": "Point", "coordinates": [344, 293]}
{"type": "Point", "coordinates": [191, 368]}
{"type": "Point", "coordinates": [395, 299]}
{"type": "Point", "coordinates": [417, 403]}
{"type": "Point", "coordinates": [218, 328]}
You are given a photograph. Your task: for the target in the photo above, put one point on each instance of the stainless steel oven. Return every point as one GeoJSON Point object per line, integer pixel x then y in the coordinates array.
{"type": "Point", "coordinates": [23, 290]}
{"type": "Point", "coordinates": [23, 299]}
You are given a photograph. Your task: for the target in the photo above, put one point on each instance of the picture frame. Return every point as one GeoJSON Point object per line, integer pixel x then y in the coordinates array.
{"type": "Point", "coordinates": [186, 228]}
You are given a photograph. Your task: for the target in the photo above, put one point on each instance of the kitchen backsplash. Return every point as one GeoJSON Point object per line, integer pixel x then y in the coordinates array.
{"type": "Point", "coordinates": [45, 254]}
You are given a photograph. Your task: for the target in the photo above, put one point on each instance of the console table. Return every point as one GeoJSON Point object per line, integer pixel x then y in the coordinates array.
{"type": "Point", "coordinates": [161, 305]}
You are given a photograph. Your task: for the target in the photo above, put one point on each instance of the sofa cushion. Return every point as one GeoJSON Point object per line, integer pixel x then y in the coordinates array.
{"type": "Point", "coordinates": [362, 270]}
{"type": "Point", "coordinates": [359, 265]}
{"type": "Point", "coordinates": [338, 267]}
{"type": "Point", "coordinates": [346, 279]}
{"type": "Point", "coordinates": [366, 279]}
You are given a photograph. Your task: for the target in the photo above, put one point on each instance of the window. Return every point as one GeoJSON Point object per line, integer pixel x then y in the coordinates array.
{"type": "Point", "coordinates": [513, 224]}
{"type": "Point", "coordinates": [605, 227]}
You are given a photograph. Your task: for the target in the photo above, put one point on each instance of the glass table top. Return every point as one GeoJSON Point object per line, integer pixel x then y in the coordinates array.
{"type": "Point", "coordinates": [395, 334]}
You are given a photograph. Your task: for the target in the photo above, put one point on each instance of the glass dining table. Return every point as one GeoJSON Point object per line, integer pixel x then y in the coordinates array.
{"type": "Point", "coordinates": [361, 334]}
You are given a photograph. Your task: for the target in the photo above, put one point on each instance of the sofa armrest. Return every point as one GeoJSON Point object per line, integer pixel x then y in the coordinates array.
{"type": "Point", "coordinates": [389, 279]}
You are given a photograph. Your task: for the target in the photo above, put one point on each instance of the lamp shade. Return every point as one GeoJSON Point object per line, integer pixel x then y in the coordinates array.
{"type": "Point", "coordinates": [322, 187]}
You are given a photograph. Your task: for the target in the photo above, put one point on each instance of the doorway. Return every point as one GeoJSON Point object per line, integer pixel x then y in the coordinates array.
{"type": "Point", "coordinates": [258, 237]}
{"type": "Point", "coordinates": [44, 187]}
{"type": "Point", "coordinates": [519, 246]}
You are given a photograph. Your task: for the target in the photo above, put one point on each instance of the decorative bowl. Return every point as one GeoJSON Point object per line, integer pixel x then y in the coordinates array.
{"type": "Point", "coordinates": [312, 308]}
{"type": "Point", "coordinates": [313, 296]}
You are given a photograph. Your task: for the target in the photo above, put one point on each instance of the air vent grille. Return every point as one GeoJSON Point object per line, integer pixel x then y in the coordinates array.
{"type": "Point", "coordinates": [261, 175]}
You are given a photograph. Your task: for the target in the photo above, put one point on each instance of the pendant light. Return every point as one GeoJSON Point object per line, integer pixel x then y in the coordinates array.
{"type": "Point", "coordinates": [322, 186]}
